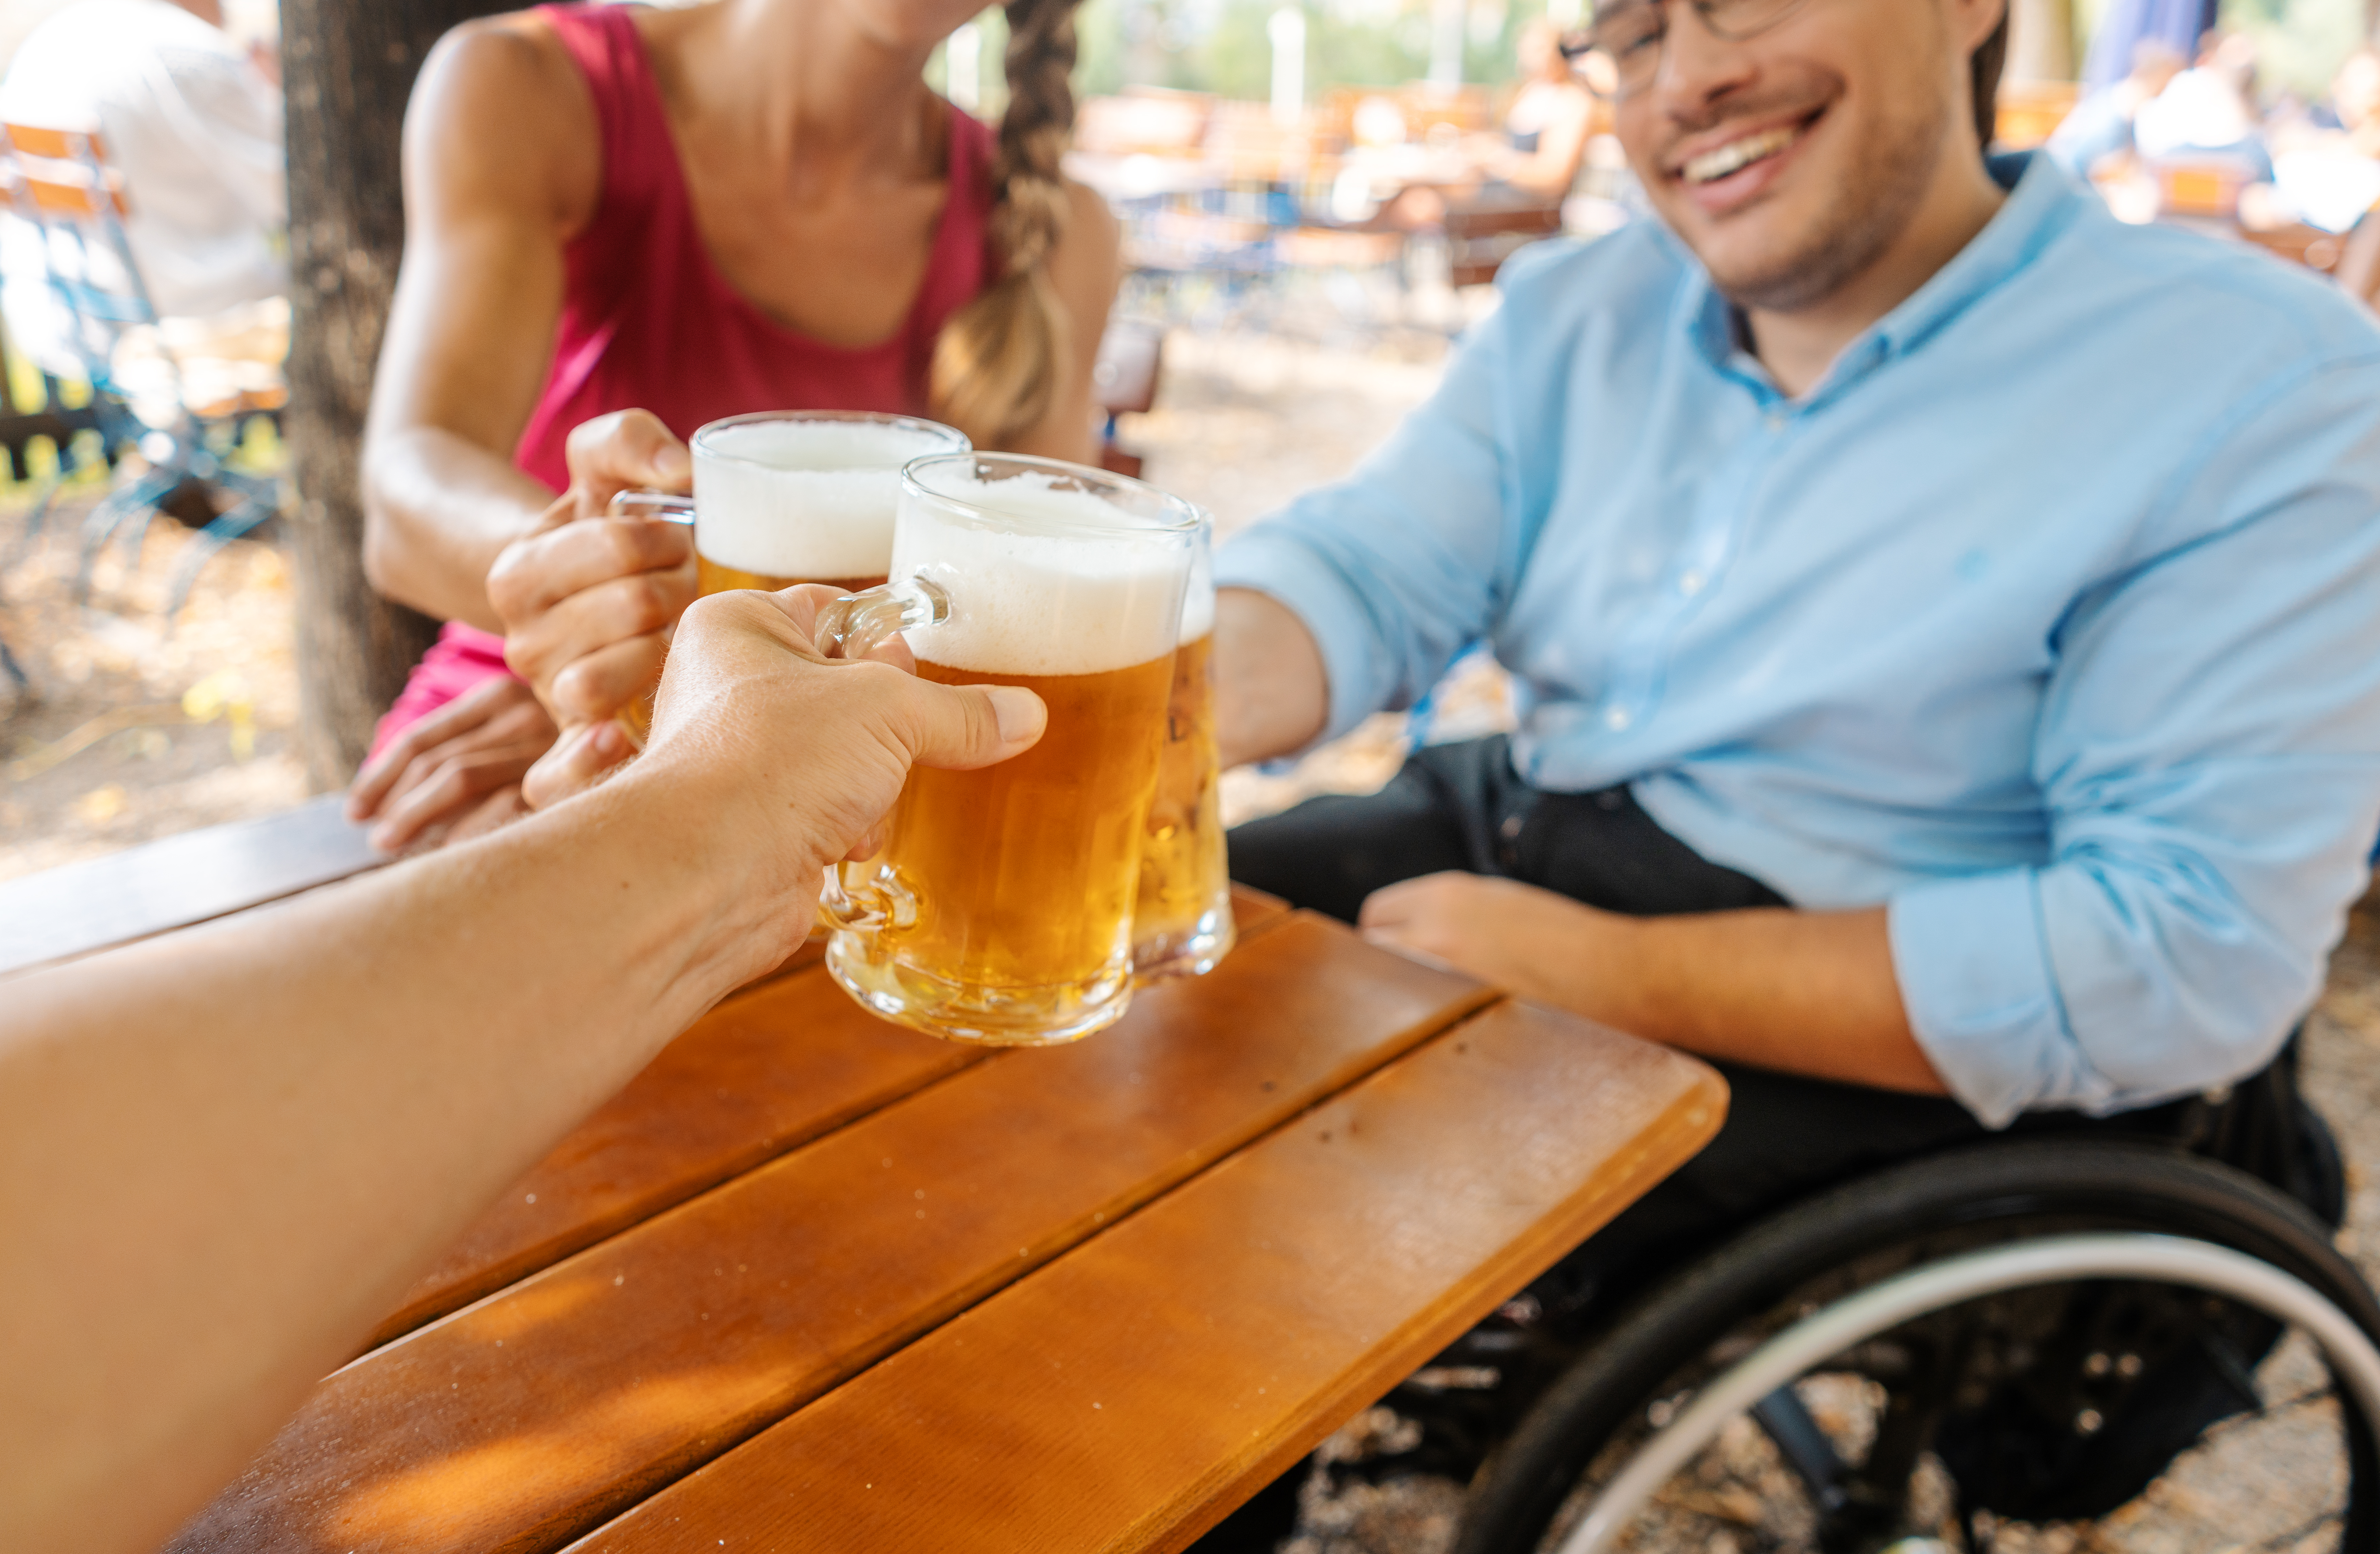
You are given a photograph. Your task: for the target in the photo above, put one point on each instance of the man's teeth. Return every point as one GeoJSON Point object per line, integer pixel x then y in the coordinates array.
{"type": "Point", "coordinates": [1735, 155]}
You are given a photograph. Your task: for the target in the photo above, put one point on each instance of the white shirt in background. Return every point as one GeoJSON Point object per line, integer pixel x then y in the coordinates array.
{"type": "Point", "coordinates": [194, 128]}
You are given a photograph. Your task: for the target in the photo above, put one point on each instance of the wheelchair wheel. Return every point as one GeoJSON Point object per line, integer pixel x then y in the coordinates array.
{"type": "Point", "coordinates": [2025, 1346]}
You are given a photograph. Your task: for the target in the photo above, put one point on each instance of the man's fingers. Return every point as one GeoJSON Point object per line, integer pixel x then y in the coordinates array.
{"type": "Point", "coordinates": [960, 727]}
{"type": "Point", "coordinates": [1389, 938]}
{"type": "Point", "coordinates": [577, 761]}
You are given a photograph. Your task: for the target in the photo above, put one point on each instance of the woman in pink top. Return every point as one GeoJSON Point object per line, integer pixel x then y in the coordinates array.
{"type": "Point", "coordinates": [623, 223]}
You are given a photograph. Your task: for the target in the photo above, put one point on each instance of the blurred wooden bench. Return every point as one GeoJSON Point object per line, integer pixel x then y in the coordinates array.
{"type": "Point", "coordinates": [1478, 242]}
{"type": "Point", "coordinates": [182, 880]}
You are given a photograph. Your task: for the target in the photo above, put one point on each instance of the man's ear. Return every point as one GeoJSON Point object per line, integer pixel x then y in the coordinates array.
{"type": "Point", "coordinates": [1974, 21]}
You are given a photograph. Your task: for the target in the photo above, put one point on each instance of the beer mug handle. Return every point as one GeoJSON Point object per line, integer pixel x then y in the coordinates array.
{"type": "Point", "coordinates": [663, 506]}
{"type": "Point", "coordinates": [858, 897]}
{"type": "Point", "coordinates": [858, 624]}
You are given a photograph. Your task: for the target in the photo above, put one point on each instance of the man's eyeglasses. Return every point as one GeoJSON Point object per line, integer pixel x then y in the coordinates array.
{"type": "Point", "coordinates": [1620, 52]}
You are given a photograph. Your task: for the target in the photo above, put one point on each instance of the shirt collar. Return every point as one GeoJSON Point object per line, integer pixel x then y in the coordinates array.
{"type": "Point", "coordinates": [2043, 200]}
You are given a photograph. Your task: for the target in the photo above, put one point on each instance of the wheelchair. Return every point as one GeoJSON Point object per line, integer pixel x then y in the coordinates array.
{"type": "Point", "coordinates": [2057, 1341]}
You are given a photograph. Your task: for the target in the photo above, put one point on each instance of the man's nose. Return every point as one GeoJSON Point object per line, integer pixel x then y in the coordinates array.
{"type": "Point", "coordinates": [1698, 69]}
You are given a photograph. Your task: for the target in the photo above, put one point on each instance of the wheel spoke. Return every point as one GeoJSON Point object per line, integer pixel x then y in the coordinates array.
{"type": "Point", "coordinates": [1804, 1446]}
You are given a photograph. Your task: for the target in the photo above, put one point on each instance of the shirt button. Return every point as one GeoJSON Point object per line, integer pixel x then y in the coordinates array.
{"type": "Point", "coordinates": [1617, 719]}
{"type": "Point", "coordinates": [1776, 420]}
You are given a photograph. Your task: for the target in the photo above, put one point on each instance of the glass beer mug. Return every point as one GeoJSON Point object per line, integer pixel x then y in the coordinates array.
{"type": "Point", "coordinates": [1182, 924]}
{"type": "Point", "coordinates": [790, 496]}
{"type": "Point", "coordinates": [1001, 907]}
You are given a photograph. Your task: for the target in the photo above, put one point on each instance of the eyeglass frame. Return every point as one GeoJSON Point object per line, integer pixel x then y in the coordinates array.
{"type": "Point", "coordinates": [1576, 47]}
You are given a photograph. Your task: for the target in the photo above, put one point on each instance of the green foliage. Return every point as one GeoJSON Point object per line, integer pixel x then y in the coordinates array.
{"type": "Point", "coordinates": [2300, 44]}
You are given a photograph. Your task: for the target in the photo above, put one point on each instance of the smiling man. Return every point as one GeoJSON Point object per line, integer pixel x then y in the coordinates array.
{"type": "Point", "coordinates": [1946, 621]}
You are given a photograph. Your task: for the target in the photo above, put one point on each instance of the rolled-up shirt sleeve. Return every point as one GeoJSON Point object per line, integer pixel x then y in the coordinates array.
{"type": "Point", "coordinates": [2209, 756]}
{"type": "Point", "coordinates": [1395, 569]}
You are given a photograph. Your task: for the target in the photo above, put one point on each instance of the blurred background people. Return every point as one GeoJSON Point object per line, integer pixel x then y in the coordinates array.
{"type": "Point", "coordinates": [2327, 163]}
{"type": "Point", "coordinates": [2177, 24]}
{"type": "Point", "coordinates": [1532, 159]}
{"type": "Point", "coordinates": [2100, 129]}
{"type": "Point", "coordinates": [2208, 110]}
{"type": "Point", "coordinates": [191, 120]}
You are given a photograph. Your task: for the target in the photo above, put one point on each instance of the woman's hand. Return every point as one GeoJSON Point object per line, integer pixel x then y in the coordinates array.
{"type": "Point", "coordinates": [587, 600]}
{"type": "Point", "coordinates": [457, 772]}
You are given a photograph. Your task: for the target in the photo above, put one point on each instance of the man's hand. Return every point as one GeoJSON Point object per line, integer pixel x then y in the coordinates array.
{"type": "Point", "coordinates": [1801, 992]}
{"type": "Point", "coordinates": [458, 770]}
{"type": "Point", "coordinates": [1531, 943]}
{"type": "Point", "coordinates": [587, 600]}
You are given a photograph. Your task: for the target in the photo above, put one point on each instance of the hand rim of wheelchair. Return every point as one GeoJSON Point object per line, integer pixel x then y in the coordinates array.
{"type": "Point", "coordinates": [1934, 1287]}
{"type": "Point", "coordinates": [2077, 1183]}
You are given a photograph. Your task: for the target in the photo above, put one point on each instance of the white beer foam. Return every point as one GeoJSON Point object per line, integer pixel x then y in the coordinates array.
{"type": "Point", "coordinates": [1198, 604]}
{"type": "Point", "coordinates": [1043, 601]}
{"type": "Point", "coordinates": [817, 500]}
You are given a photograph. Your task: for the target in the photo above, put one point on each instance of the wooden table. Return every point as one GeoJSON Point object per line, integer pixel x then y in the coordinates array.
{"type": "Point", "coordinates": [816, 1282]}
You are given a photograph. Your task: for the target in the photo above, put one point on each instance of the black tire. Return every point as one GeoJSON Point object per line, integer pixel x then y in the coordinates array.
{"type": "Point", "coordinates": [1987, 1194]}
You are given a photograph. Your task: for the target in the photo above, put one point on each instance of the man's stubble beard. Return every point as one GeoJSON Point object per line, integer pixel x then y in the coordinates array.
{"type": "Point", "coordinates": [1851, 233]}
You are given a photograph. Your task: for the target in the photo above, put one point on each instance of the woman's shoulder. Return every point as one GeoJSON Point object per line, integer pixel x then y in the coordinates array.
{"type": "Point", "coordinates": [513, 81]}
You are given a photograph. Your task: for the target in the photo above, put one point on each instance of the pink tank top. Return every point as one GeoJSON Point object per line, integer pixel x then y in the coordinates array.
{"type": "Point", "coordinates": [649, 322]}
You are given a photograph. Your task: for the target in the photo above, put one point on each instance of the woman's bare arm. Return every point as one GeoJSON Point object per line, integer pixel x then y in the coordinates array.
{"type": "Point", "coordinates": [225, 1153]}
{"type": "Point", "coordinates": [502, 167]}
{"type": "Point", "coordinates": [1561, 147]}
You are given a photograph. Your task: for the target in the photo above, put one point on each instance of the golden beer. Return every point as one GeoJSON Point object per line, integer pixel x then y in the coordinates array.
{"type": "Point", "coordinates": [1001, 909]}
{"type": "Point", "coordinates": [1035, 862]}
{"type": "Point", "coordinates": [1182, 918]}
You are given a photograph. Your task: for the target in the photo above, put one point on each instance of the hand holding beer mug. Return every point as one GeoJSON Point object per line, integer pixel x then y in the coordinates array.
{"type": "Point", "coordinates": [1182, 925]}
{"type": "Point", "coordinates": [791, 496]}
{"type": "Point", "coordinates": [1000, 908]}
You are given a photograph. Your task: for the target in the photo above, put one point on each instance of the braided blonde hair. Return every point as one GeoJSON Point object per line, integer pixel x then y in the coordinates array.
{"type": "Point", "coordinates": [997, 365]}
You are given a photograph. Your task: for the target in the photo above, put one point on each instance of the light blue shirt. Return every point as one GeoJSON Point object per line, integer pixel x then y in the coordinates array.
{"type": "Point", "coordinates": [2050, 618]}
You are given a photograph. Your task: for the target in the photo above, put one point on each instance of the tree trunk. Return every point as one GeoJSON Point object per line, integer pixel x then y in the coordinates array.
{"type": "Point", "coordinates": [349, 66]}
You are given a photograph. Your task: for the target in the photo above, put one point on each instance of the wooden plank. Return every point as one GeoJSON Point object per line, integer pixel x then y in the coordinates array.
{"type": "Point", "coordinates": [183, 880]}
{"type": "Point", "coordinates": [532, 1417]}
{"type": "Point", "coordinates": [1129, 1395]}
{"type": "Point", "coordinates": [783, 1063]}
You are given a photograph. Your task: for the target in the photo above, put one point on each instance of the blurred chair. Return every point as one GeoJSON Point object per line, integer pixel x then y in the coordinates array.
{"type": "Point", "coordinates": [2028, 113]}
{"type": "Point", "coordinates": [2300, 244]}
{"type": "Point", "coordinates": [1480, 241]}
{"type": "Point", "coordinates": [60, 184]}
{"type": "Point", "coordinates": [2204, 186]}
{"type": "Point", "coordinates": [1132, 356]}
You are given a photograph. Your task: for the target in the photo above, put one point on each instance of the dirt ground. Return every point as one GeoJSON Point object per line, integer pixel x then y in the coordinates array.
{"type": "Point", "coordinates": [136, 727]}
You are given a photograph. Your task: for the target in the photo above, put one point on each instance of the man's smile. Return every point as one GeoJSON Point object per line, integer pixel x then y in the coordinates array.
{"type": "Point", "coordinates": [1718, 162]}
{"type": "Point", "coordinates": [1729, 166]}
